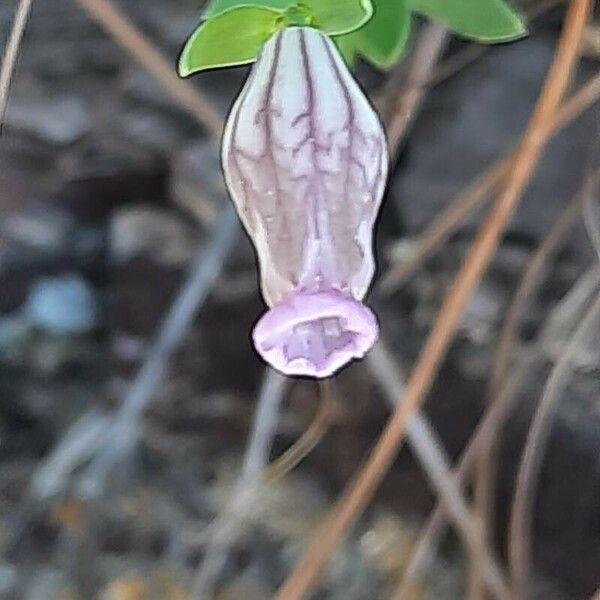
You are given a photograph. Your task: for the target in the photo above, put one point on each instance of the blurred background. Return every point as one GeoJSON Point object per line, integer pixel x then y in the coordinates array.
{"type": "Point", "coordinates": [116, 485]}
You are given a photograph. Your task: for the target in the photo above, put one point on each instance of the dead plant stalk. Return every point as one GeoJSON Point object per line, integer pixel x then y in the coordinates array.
{"type": "Point", "coordinates": [11, 53]}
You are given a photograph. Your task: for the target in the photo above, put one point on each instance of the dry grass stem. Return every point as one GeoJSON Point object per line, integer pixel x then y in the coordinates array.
{"type": "Point", "coordinates": [105, 441]}
{"type": "Point", "coordinates": [11, 53]}
{"type": "Point", "coordinates": [359, 491]}
{"type": "Point", "coordinates": [506, 348]}
{"type": "Point", "coordinates": [531, 462]}
{"type": "Point", "coordinates": [491, 421]}
{"type": "Point", "coordinates": [591, 215]}
{"type": "Point", "coordinates": [531, 278]}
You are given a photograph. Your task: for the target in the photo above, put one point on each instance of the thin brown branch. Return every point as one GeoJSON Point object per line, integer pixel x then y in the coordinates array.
{"type": "Point", "coordinates": [449, 219]}
{"type": "Point", "coordinates": [531, 279]}
{"type": "Point", "coordinates": [360, 490]}
{"type": "Point", "coordinates": [11, 52]}
{"type": "Point", "coordinates": [120, 28]}
{"type": "Point", "coordinates": [531, 462]}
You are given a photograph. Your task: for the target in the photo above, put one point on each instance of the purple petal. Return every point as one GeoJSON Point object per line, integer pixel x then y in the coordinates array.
{"type": "Point", "coordinates": [305, 159]}
{"type": "Point", "coordinates": [315, 333]}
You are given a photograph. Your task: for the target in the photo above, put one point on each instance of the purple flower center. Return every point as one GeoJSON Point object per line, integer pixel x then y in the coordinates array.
{"type": "Point", "coordinates": [315, 333]}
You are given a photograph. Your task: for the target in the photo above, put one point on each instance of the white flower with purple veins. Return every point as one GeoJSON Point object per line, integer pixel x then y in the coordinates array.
{"type": "Point", "coordinates": [305, 160]}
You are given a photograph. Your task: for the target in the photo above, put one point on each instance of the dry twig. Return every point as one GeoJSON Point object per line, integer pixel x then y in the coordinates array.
{"type": "Point", "coordinates": [105, 441]}
{"type": "Point", "coordinates": [361, 488]}
{"type": "Point", "coordinates": [204, 272]}
{"type": "Point", "coordinates": [591, 214]}
{"type": "Point", "coordinates": [531, 462]}
{"type": "Point", "coordinates": [11, 52]}
{"type": "Point", "coordinates": [539, 432]}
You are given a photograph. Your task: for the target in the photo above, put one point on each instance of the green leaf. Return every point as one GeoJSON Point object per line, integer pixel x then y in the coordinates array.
{"type": "Point", "coordinates": [216, 7]}
{"type": "Point", "coordinates": [334, 17]}
{"type": "Point", "coordinates": [482, 20]}
{"type": "Point", "coordinates": [234, 37]}
{"type": "Point", "coordinates": [383, 39]}
{"type": "Point", "coordinates": [337, 17]}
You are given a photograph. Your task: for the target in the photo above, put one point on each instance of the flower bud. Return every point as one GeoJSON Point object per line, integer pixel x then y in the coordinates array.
{"type": "Point", "coordinates": [305, 161]}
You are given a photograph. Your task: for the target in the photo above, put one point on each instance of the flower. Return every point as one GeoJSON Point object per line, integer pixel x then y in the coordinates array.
{"type": "Point", "coordinates": [305, 160]}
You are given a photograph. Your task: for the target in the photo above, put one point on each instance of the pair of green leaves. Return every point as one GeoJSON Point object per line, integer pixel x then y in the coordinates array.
{"type": "Point", "coordinates": [383, 39]}
{"type": "Point", "coordinates": [234, 31]}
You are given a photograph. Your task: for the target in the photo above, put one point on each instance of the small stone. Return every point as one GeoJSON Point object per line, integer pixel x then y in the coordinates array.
{"type": "Point", "coordinates": [125, 588]}
{"type": "Point", "coordinates": [388, 543]}
{"type": "Point", "coordinates": [13, 332]}
{"type": "Point", "coordinates": [150, 129]}
{"type": "Point", "coordinates": [157, 234]}
{"type": "Point", "coordinates": [44, 228]}
{"type": "Point", "coordinates": [8, 579]}
{"type": "Point", "coordinates": [196, 182]}
{"type": "Point", "coordinates": [44, 584]}
{"type": "Point", "coordinates": [483, 313]}
{"type": "Point", "coordinates": [62, 305]}
{"type": "Point", "coordinates": [61, 120]}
